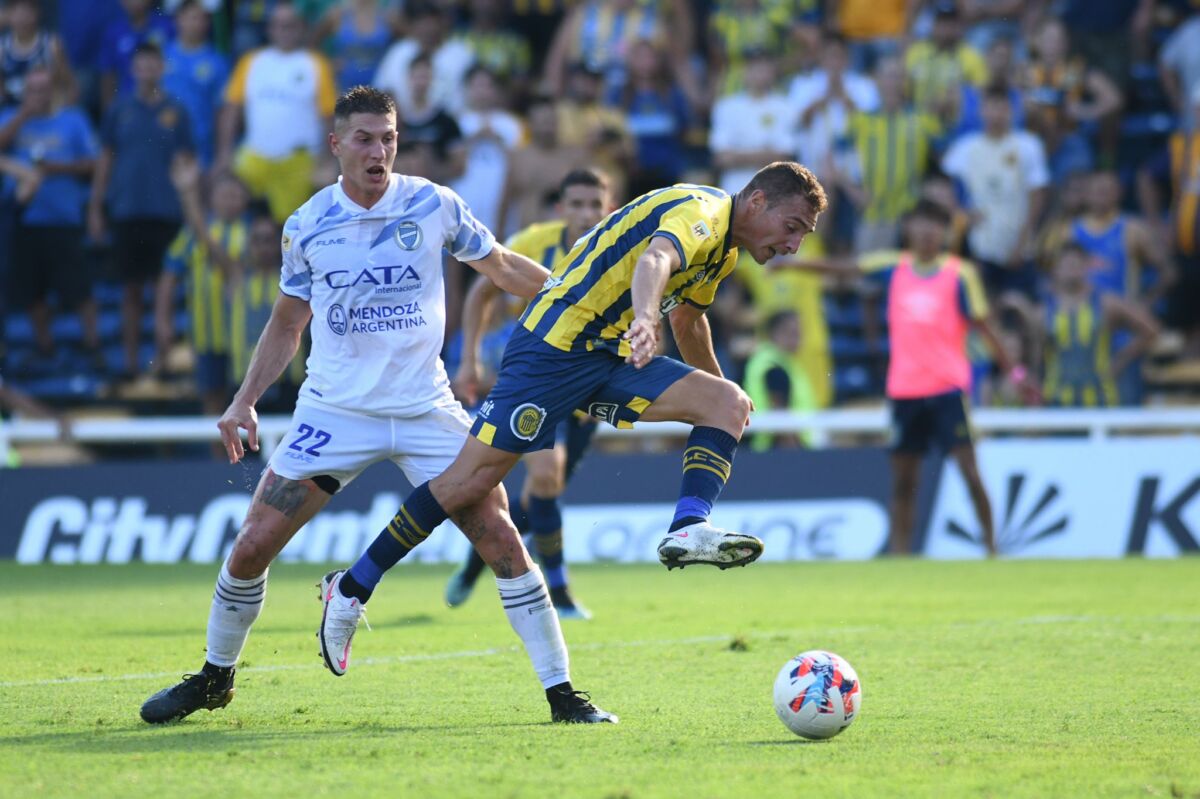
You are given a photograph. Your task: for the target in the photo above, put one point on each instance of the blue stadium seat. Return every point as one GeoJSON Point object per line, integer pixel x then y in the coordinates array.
{"type": "Point", "coordinates": [18, 330]}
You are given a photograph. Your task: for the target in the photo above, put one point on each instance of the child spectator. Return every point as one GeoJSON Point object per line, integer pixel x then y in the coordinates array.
{"type": "Point", "coordinates": [1074, 338]}
{"type": "Point", "coordinates": [204, 259]}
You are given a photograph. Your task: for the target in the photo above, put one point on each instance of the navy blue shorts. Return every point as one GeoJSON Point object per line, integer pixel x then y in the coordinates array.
{"type": "Point", "coordinates": [540, 386]}
{"type": "Point", "coordinates": [923, 423]}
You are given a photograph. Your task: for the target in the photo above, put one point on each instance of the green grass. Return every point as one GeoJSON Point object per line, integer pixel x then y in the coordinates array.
{"type": "Point", "coordinates": [1001, 679]}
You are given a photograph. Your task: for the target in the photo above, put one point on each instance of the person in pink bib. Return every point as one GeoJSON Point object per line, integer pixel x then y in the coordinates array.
{"type": "Point", "coordinates": [933, 300]}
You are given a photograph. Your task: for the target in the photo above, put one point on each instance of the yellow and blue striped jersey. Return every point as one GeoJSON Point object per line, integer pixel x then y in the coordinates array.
{"type": "Point", "coordinates": [588, 301]}
{"type": "Point", "coordinates": [206, 297]}
{"type": "Point", "coordinates": [542, 241]}
{"type": "Point", "coordinates": [253, 298]}
{"type": "Point", "coordinates": [1078, 343]}
{"type": "Point", "coordinates": [894, 151]}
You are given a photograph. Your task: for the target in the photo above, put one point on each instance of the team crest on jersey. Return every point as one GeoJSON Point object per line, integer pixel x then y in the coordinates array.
{"type": "Point", "coordinates": [167, 118]}
{"type": "Point", "coordinates": [526, 421]}
{"type": "Point", "coordinates": [408, 235]}
{"type": "Point", "coordinates": [286, 242]}
{"type": "Point", "coordinates": [337, 319]}
{"type": "Point", "coordinates": [700, 230]}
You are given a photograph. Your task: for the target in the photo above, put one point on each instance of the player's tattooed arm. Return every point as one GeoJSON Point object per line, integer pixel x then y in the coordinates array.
{"type": "Point", "coordinates": [284, 495]}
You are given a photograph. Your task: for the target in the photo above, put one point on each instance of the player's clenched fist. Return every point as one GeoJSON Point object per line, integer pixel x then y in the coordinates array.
{"type": "Point", "coordinates": [643, 341]}
{"type": "Point", "coordinates": [238, 416]}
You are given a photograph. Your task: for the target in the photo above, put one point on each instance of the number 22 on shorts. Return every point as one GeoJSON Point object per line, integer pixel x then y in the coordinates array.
{"type": "Point", "coordinates": [307, 432]}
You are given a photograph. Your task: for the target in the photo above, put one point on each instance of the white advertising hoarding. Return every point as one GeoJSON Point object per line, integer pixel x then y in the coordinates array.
{"type": "Point", "coordinates": [1058, 498]}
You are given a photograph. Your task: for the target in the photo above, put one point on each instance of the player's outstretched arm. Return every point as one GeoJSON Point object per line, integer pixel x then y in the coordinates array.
{"type": "Point", "coordinates": [693, 336]}
{"type": "Point", "coordinates": [512, 271]}
{"type": "Point", "coordinates": [650, 274]}
{"type": "Point", "coordinates": [476, 317]}
{"type": "Point", "coordinates": [275, 349]}
{"type": "Point", "coordinates": [837, 267]}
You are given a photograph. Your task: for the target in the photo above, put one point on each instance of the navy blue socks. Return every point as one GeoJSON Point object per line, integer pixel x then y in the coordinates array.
{"type": "Point", "coordinates": [411, 525]}
{"type": "Point", "coordinates": [707, 462]}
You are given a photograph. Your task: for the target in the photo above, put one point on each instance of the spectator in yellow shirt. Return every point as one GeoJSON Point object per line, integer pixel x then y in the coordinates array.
{"type": "Point", "coordinates": [938, 67]}
{"type": "Point", "coordinates": [282, 97]}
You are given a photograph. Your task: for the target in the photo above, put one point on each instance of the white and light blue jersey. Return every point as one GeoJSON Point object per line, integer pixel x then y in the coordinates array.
{"type": "Point", "coordinates": [373, 278]}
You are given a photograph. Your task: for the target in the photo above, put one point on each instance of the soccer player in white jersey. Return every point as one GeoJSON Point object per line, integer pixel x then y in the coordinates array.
{"type": "Point", "coordinates": [362, 260]}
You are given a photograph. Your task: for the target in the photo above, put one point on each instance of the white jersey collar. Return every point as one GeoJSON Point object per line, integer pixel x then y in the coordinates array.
{"type": "Point", "coordinates": [343, 199]}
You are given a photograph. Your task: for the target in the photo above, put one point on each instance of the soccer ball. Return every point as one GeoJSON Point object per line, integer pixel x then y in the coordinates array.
{"type": "Point", "coordinates": [817, 694]}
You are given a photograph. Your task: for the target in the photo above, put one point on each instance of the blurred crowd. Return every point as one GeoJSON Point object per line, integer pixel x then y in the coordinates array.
{"type": "Point", "coordinates": [150, 151]}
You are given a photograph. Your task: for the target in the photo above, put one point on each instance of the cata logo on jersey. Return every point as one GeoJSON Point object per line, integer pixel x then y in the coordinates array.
{"type": "Point", "coordinates": [387, 279]}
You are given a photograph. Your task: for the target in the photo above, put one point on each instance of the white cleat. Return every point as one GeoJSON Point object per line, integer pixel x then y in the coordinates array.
{"type": "Point", "coordinates": [703, 543]}
{"type": "Point", "coordinates": [338, 623]}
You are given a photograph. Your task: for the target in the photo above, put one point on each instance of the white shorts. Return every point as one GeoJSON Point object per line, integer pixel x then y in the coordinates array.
{"type": "Point", "coordinates": [341, 443]}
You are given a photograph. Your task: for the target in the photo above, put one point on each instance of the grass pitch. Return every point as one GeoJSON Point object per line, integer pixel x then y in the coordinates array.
{"type": "Point", "coordinates": [1003, 679]}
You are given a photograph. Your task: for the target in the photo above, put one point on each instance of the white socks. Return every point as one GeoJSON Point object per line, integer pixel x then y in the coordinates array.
{"type": "Point", "coordinates": [236, 604]}
{"type": "Point", "coordinates": [532, 615]}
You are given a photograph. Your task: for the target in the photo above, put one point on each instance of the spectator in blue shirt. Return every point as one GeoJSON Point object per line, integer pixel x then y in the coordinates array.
{"type": "Point", "coordinates": [140, 24]}
{"type": "Point", "coordinates": [48, 246]}
{"type": "Point", "coordinates": [196, 75]}
{"type": "Point", "coordinates": [142, 136]}
{"type": "Point", "coordinates": [659, 117]}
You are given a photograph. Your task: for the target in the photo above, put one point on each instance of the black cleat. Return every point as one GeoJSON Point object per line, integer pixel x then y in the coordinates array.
{"type": "Point", "coordinates": [566, 606]}
{"type": "Point", "coordinates": [575, 707]}
{"type": "Point", "coordinates": [194, 692]}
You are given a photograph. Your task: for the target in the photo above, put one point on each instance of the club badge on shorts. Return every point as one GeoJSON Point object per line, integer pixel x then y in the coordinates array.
{"type": "Point", "coordinates": [526, 421]}
{"type": "Point", "coordinates": [408, 235]}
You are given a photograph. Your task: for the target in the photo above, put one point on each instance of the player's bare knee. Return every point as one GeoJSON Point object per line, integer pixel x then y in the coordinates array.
{"type": "Point", "coordinates": [731, 408]}
{"type": "Point", "coordinates": [251, 554]}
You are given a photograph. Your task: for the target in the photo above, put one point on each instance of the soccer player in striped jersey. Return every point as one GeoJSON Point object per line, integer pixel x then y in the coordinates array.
{"type": "Point", "coordinates": [588, 341]}
{"type": "Point", "coordinates": [362, 260]}
{"type": "Point", "coordinates": [584, 199]}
